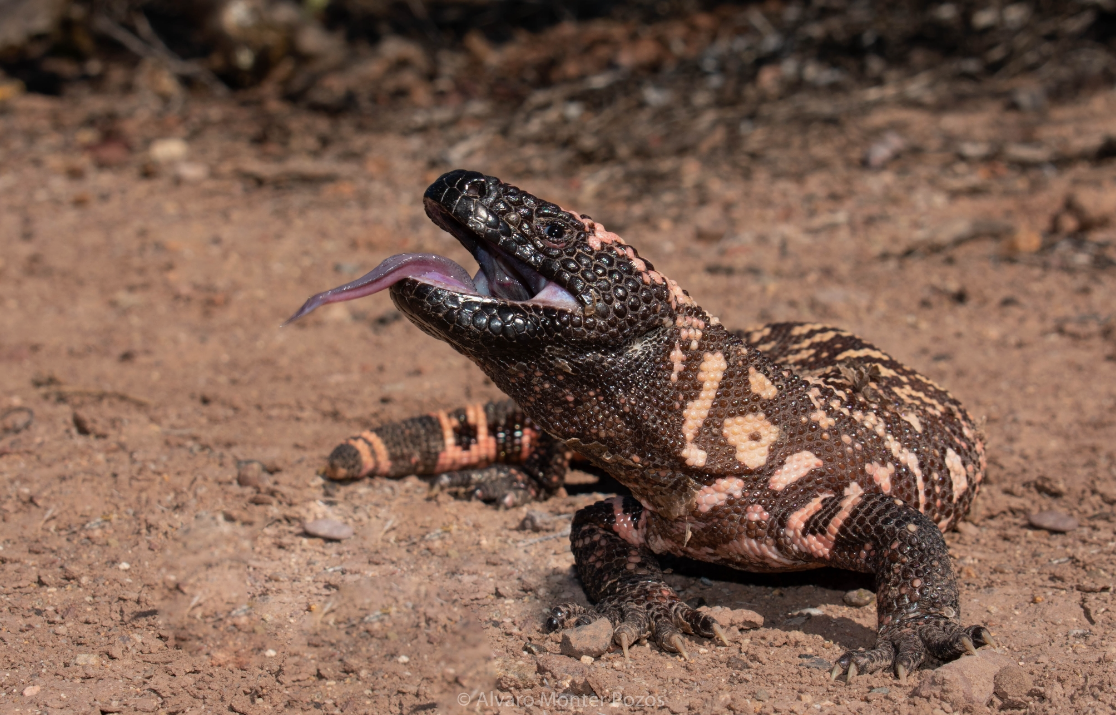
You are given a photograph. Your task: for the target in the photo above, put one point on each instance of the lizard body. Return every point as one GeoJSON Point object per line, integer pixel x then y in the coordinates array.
{"type": "Point", "coordinates": [787, 447]}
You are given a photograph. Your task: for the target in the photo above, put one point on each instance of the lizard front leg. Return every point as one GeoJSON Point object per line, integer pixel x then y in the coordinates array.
{"type": "Point", "coordinates": [917, 605]}
{"type": "Point", "coordinates": [621, 576]}
{"type": "Point", "coordinates": [492, 451]}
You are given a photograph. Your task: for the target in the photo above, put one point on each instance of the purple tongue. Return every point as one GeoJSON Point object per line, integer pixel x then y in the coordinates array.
{"type": "Point", "coordinates": [429, 267]}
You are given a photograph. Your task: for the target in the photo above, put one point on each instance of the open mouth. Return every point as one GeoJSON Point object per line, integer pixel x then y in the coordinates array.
{"type": "Point", "coordinates": [501, 276]}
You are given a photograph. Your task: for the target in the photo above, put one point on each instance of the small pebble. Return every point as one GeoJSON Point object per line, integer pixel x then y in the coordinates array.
{"type": "Point", "coordinates": [1052, 520]}
{"type": "Point", "coordinates": [859, 598]}
{"type": "Point", "coordinates": [883, 690]}
{"type": "Point", "coordinates": [808, 612]}
{"type": "Point", "coordinates": [250, 473]}
{"type": "Point", "coordinates": [536, 521]}
{"type": "Point", "coordinates": [403, 659]}
{"type": "Point", "coordinates": [124, 566]}
{"type": "Point", "coordinates": [967, 529]}
{"type": "Point", "coordinates": [168, 150]}
{"type": "Point", "coordinates": [590, 640]}
{"type": "Point", "coordinates": [762, 695]}
{"type": "Point", "coordinates": [1051, 486]}
{"type": "Point", "coordinates": [15, 420]}
{"type": "Point", "coordinates": [881, 152]}
{"type": "Point", "coordinates": [734, 617]}
{"type": "Point", "coordinates": [328, 529]}
{"type": "Point", "coordinates": [31, 690]}
{"type": "Point", "coordinates": [270, 653]}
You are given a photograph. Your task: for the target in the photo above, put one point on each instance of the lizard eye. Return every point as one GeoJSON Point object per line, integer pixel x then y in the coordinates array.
{"type": "Point", "coordinates": [555, 232]}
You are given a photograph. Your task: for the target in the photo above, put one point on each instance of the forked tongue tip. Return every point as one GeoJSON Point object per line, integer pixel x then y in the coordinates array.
{"type": "Point", "coordinates": [391, 271]}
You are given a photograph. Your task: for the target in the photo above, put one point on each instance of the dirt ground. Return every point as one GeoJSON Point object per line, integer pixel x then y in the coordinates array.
{"type": "Point", "coordinates": [142, 369]}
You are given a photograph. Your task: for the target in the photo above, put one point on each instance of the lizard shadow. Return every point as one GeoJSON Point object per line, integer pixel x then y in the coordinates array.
{"type": "Point", "coordinates": [801, 590]}
{"type": "Point", "coordinates": [826, 586]}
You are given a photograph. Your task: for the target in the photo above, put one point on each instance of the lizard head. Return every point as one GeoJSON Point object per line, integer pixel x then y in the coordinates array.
{"type": "Point", "coordinates": [547, 275]}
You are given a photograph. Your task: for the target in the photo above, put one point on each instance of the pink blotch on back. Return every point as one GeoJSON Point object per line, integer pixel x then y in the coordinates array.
{"type": "Point", "coordinates": [797, 466]}
{"type": "Point", "coordinates": [718, 493]}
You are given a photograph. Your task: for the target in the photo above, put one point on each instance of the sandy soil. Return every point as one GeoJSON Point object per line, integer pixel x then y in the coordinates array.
{"type": "Point", "coordinates": [141, 363]}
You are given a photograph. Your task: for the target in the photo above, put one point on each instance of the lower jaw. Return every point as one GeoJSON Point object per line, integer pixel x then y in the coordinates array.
{"type": "Point", "coordinates": [471, 320]}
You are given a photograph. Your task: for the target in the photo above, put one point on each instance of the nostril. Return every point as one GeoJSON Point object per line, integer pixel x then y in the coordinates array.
{"type": "Point", "coordinates": [476, 189]}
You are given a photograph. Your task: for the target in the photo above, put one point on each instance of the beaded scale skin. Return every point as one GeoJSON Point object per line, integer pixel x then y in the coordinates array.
{"type": "Point", "coordinates": [788, 447]}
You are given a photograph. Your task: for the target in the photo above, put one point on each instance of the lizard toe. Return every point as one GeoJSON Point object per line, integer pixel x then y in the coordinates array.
{"type": "Point", "coordinates": [504, 486]}
{"type": "Point", "coordinates": [904, 647]}
{"type": "Point", "coordinates": [567, 615]}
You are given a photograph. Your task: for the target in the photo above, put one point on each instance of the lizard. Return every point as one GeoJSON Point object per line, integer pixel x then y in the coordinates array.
{"type": "Point", "coordinates": [788, 447]}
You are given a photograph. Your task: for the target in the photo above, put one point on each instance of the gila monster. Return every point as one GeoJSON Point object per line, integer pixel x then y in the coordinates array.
{"type": "Point", "coordinates": [788, 447]}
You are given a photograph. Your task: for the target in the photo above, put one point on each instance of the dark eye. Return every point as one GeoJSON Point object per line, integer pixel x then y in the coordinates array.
{"type": "Point", "coordinates": [555, 232]}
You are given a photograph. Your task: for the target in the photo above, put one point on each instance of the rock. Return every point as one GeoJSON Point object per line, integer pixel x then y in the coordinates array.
{"type": "Point", "coordinates": [330, 529]}
{"type": "Point", "coordinates": [1024, 240]}
{"type": "Point", "coordinates": [1011, 685]}
{"type": "Point", "coordinates": [1050, 486]}
{"type": "Point", "coordinates": [191, 172]}
{"type": "Point", "coordinates": [15, 420]}
{"type": "Point", "coordinates": [710, 224]}
{"type": "Point", "coordinates": [967, 529]}
{"type": "Point", "coordinates": [1028, 154]}
{"type": "Point", "coordinates": [1028, 99]}
{"type": "Point", "coordinates": [565, 674]}
{"type": "Point", "coordinates": [740, 618]}
{"type": "Point", "coordinates": [592, 640]}
{"type": "Point", "coordinates": [859, 598]}
{"type": "Point", "coordinates": [167, 150]}
{"type": "Point", "coordinates": [537, 521]}
{"type": "Point", "coordinates": [87, 426]}
{"type": "Point", "coordinates": [975, 151]}
{"type": "Point", "coordinates": [31, 691]}
{"type": "Point", "coordinates": [881, 152]}
{"type": "Point", "coordinates": [1052, 520]}
{"type": "Point", "coordinates": [86, 659]}
{"type": "Point", "coordinates": [250, 473]}
{"type": "Point", "coordinates": [966, 682]}
{"type": "Point", "coordinates": [762, 695]}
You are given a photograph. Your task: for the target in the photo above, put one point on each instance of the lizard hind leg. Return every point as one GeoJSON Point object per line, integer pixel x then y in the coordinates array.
{"type": "Point", "coordinates": [917, 598]}
{"type": "Point", "coordinates": [621, 576]}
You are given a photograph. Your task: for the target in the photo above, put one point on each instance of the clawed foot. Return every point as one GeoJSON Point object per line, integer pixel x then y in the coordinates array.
{"type": "Point", "coordinates": [655, 612]}
{"type": "Point", "coordinates": [904, 647]}
{"type": "Point", "coordinates": [506, 487]}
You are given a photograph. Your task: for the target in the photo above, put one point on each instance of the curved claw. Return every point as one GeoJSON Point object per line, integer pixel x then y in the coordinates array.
{"type": "Point", "coordinates": [968, 643]}
{"type": "Point", "coordinates": [901, 671]}
{"type": "Point", "coordinates": [678, 644]}
{"type": "Point", "coordinates": [624, 643]}
{"type": "Point", "coordinates": [835, 672]}
{"type": "Point", "coordinates": [986, 636]}
{"type": "Point", "coordinates": [851, 674]}
{"type": "Point", "coordinates": [720, 633]}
